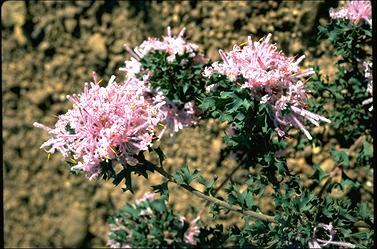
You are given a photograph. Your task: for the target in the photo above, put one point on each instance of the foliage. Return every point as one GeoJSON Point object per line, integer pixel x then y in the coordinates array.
{"type": "Point", "coordinates": [180, 80]}
{"type": "Point", "coordinates": [345, 94]}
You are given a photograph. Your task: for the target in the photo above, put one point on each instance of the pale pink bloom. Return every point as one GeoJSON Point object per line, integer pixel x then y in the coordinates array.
{"type": "Point", "coordinates": [355, 11]}
{"type": "Point", "coordinates": [105, 123]}
{"type": "Point", "coordinates": [148, 196]}
{"type": "Point", "coordinates": [192, 231]}
{"type": "Point", "coordinates": [174, 118]}
{"type": "Point", "coordinates": [172, 45]}
{"type": "Point", "coordinates": [272, 77]}
{"type": "Point", "coordinates": [260, 63]}
{"type": "Point", "coordinates": [132, 67]}
{"type": "Point", "coordinates": [208, 71]}
{"type": "Point", "coordinates": [177, 119]}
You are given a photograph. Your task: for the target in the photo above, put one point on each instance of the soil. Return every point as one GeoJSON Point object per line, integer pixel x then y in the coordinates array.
{"type": "Point", "coordinates": [50, 48]}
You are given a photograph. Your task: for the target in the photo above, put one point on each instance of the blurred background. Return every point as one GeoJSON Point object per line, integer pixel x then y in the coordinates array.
{"type": "Point", "coordinates": [50, 48]}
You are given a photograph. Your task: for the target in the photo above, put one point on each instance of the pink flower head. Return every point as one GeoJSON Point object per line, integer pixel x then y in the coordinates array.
{"type": "Point", "coordinates": [260, 64]}
{"type": "Point", "coordinates": [192, 231]}
{"type": "Point", "coordinates": [177, 119]}
{"type": "Point", "coordinates": [112, 122]}
{"type": "Point", "coordinates": [355, 11]}
{"type": "Point", "coordinates": [172, 45]}
{"type": "Point", "coordinates": [275, 78]}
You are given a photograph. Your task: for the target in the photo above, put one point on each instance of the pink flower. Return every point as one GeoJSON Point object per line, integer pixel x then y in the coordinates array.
{"type": "Point", "coordinates": [114, 244]}
{"type": "Point", "coordinates": [192, 231]}
{"type": "Point", "coordinates": [172, 45]}
{"type": "Point", "coordinates": [132, 67]}
{"type": "Point", "coordinates": [208, 71]}
{"type": "Point", "coordinates": [148, 196]}
{"type": "Point", "coordinates": [177, 119]}
{"type": "Point", "coordinates": [272, 77]}
{"type": "Point", "coordinates": [355, 11]}
{"type": "Point", "coordinates": [105, 123]}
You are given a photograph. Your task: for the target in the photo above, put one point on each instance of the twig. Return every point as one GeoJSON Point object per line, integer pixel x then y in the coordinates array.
{"type": "Point", "coordinates": [332, 174]}
{"type": "Point", "coordinates": [216, 201]}
{"type": "Point", "coordinates": [226, 179]}
{"type": "Point", "coordinates": [356, 144]}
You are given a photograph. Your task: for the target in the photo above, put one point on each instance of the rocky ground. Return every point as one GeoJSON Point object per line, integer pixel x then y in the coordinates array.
{"type": "Point", "coordinates": [50, 48]}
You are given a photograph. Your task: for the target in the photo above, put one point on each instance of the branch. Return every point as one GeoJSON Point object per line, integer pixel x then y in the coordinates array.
{"type": "Point", "coordinates": [216, 201]}
{"type": "Point", "coordinates": [226, 179]}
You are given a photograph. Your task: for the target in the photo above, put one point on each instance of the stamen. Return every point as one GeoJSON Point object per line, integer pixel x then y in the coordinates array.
{"type": "Point", "coordinates": [223, 56]}
{"type": "Point", "coordinates": [132, 52]}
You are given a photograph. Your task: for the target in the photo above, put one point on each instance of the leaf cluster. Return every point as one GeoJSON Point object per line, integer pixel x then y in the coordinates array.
{"type": "Point", "coordinates": [344, 95]}
{"type": "Point", "coordinates": [180, 80]}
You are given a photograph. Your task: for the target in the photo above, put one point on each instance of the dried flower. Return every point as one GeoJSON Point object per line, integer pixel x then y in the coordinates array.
{"type": "Point", "coordinates": [148, 196]}
{"type": "Point", "coordinates": [114, 244]}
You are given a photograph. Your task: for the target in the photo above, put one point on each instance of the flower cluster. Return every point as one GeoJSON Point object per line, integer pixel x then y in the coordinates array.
{"type": "Point", "coordinates": [147, 211]}
{"type": "Point", "coordinates": [177, 118]}
{"type": "Point", "coordinates": [116, 121]}
{"type": "Point", "coordinates": [355, 11]}
{"type": "Point", "coordinates": [369, 78]}
{"type": "Point", "coordinates": [172, 45]}
{"type": "Point", "coordinates": [275, 78]}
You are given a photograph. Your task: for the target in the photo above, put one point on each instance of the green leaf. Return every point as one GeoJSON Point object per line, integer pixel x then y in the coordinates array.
{"type": "Point", "coordinates": [228, 95]}
{"type": "Point", "coordinates": [367, 149]}
{"type": "Point", "coordinates": [319, 174]}
{"type": "Point", "coordinates": [160, 154]}
{"type": "Point", "coordinates": [178, 179]}
{"type": "Point", "coordinates": [208, 185]}
{"type": "Point", "coordinates": [162, 189]}
{"type": "Point", "coordinates": [249, 200]}
{"type": "Point", "coordinates": [131, 210]}
{"type": "Point", "coordinates": [341, 157]}
{"type": "Point", "coordinates": [364, 211]}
